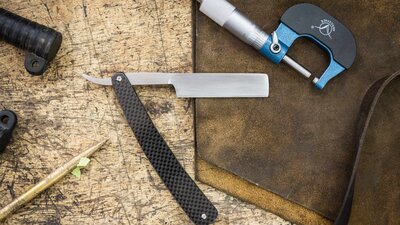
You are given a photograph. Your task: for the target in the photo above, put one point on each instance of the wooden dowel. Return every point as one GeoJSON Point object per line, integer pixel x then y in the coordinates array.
{"type": "Point", "coordinates": [47, 182]}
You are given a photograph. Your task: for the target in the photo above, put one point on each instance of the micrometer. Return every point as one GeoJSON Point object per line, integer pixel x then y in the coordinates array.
{"type": "Point", "coordinates": [301, 20]}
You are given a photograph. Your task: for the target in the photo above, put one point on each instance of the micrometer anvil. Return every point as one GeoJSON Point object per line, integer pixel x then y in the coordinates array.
{"type": "Point", "coordinates": [301, 20]}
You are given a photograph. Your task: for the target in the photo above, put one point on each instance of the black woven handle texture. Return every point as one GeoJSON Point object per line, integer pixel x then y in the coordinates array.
{"type": "Point", "coordinates": [183, 188]}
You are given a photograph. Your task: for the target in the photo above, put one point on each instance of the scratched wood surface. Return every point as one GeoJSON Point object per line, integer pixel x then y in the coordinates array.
{"type": "Point", "coordinates": [60, 115]}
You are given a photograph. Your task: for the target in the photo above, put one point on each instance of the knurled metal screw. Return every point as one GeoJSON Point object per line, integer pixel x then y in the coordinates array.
{"type": "Point", "coordinates": [119, 78]}
{"type": "Point", "coordinates": [203, 216]}
{"type": "Point", "coordinates": [275, 48]}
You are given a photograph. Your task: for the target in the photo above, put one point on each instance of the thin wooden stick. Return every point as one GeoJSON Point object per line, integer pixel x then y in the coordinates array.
{"type": "Point", "coordinates": [47, 182]}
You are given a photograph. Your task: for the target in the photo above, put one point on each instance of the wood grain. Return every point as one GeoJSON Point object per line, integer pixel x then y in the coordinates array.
{"type": "Point", "coordinates": [60, 114]}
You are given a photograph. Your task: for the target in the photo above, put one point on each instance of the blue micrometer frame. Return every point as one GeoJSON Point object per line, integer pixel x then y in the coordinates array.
{"type": "Point", "coordinates": [299, 21]}
{"type": "Point", "coordinates": [286, 38]}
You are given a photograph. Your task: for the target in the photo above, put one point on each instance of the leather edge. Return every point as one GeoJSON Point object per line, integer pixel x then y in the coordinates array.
{"type": "Point", "coordinates": [248, 192]}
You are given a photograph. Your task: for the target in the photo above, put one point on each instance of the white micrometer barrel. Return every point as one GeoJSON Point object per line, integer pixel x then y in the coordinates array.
{"type": "Point", "coordinates": [227, 16]}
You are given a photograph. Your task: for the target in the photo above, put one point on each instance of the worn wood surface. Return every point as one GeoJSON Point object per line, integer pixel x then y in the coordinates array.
{"type": "Point", "coordinates": [60, 115]}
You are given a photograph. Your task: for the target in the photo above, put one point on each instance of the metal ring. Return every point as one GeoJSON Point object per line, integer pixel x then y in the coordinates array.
{"type": "Point", "coordinates": [275, 48]}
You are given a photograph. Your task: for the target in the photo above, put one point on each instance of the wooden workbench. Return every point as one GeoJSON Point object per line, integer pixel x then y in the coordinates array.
{"type": "Point", "coordinates": [61, 114]}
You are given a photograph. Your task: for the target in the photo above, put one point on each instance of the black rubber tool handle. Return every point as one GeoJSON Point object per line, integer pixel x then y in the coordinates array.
{"type": "Point", "coordinates": [41, 43]}
{"type": "Point", "coordinates": [8, 120]}
{"type": "Point", "coordinates": [192, 200]}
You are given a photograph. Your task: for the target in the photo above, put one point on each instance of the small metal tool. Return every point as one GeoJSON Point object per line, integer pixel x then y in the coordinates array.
{"type": "Point", "coordinates": [201, 85]}
{"type": "Point", "coordinates": [47, 182]}
{"type": "Point", "coordinates": [8, 121]}
{"type": "Point", "coordinates": [301, 20]}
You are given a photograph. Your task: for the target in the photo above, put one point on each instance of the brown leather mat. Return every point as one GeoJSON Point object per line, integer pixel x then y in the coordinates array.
{"type": "Point", "coordinates": [292, 153]}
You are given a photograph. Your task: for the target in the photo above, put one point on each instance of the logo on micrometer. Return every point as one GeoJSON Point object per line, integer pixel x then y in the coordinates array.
{"type": "Point", "coordinates": [326, 27]}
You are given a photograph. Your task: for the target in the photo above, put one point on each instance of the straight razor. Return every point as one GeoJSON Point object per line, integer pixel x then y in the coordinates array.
{"type": "Point", "coordinates": [201, 85]}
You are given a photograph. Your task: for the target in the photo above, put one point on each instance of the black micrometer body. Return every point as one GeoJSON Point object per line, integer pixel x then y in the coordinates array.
{"type": "Point", "coordinates": [301, 20]}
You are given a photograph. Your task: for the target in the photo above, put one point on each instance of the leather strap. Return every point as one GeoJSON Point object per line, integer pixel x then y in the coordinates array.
{"type": "Point", "coordinates": [192, 200]}
{"type": "Point", "coordinates": [367, 109]}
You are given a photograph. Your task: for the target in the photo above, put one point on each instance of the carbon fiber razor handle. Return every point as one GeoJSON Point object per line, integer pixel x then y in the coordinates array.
{"type": "Point", "coordinates": [41, 43]}
{"type": "Point", "coordinates": [192, 200]}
